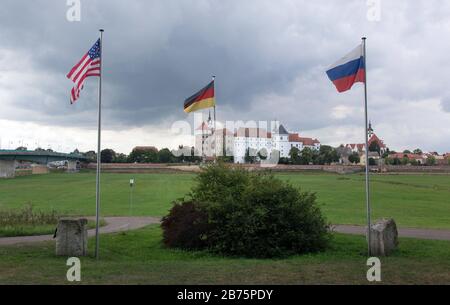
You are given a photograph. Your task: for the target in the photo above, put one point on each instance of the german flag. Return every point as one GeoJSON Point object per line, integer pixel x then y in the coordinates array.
{"type": "Point", "coordinates": [203, 99]}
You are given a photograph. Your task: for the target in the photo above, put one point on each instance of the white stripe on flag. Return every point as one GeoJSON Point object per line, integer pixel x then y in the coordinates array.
{"type": "Point", "coordinates": [353, 55]}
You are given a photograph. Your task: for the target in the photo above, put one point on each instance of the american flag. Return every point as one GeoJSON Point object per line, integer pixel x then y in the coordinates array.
{"type": "Point", "coordinates": [89, 65]}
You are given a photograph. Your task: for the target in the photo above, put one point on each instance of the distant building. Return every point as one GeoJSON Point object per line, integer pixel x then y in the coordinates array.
{"type": "Point", "coordinates": [239, 142]}
{"type": "Point", "coordinates": [361, 148]}
{"type": "Point", "coordinates": [420, 159]}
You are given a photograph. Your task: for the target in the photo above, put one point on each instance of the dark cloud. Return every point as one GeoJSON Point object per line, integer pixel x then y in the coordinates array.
{"type": "Point", "coordinates": [269, 58]}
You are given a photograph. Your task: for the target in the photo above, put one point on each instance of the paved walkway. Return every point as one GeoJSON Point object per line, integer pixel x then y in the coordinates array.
{"type": "Point", "coordinates": [413, 233]}
{"type": "Point", "coordinates": [119, 224]}
{"type": "Point", "coordinates": [114, 225]}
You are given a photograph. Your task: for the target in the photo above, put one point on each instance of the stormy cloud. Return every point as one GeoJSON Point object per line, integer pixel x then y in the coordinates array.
{"type": "Point", "coordinates": [269, 58]}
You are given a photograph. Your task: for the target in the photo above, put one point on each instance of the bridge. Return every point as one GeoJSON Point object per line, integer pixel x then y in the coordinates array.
{"type": "Point", "coordinates": [9, 158]}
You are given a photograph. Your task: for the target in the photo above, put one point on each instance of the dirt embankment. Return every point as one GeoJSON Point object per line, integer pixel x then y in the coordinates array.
{"type": "Point", "coordinates": [339, 169]}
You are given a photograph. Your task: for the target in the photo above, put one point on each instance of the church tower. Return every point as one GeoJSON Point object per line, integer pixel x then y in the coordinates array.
{"type": "Point", "coordinates": [370, 131]}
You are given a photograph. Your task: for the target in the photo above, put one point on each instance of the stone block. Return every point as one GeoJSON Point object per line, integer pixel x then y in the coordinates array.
{"type": "Point", "coordinates": [72, 237]}
{"type": "Point", "coordinates": [383, 237]}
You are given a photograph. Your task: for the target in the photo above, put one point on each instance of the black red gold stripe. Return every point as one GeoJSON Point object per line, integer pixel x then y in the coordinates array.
{"type": "Point", "coordinates": [203, 99]}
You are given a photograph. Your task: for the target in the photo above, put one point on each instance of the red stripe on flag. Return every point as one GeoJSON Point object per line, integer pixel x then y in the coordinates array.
{"type": "Point", "coordinates": [209, 93]}
{"type": "Point", "coordinates": [346, 83]}
{"type": "Point", "coordinates": [82, 70]}
{"type": "Point", "coordinates": [76, 66]}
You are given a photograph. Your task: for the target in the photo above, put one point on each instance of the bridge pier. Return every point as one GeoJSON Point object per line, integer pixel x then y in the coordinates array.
{"type": "Point", "coordinates": [7, 169]}
{"type": "Point", "coordinates": [72, 166]}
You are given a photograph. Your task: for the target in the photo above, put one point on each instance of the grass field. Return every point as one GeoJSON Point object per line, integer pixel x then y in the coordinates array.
{"type": "Point", "coordinates": [421, 201]}
{"type": "Point", "coordinates": [137, 257]}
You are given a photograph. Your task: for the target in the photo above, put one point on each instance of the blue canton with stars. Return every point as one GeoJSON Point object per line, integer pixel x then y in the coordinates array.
{"type": "Point", "coordinates": [94, 52]}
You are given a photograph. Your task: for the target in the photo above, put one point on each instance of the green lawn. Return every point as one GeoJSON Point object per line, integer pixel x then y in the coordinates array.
{"type": "Point", "coordinates": [137, 257]}
{"type": "Point", "coordinates": [421, 201]}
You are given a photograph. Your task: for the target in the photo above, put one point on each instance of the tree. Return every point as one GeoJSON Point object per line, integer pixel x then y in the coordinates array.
{"type": "Point", "coordinates": [407, 151]}
{"type": "Point", "coordinates": [372, 162]}
{"type": "Point", "coordinates": [294, 154]}
{"type": "Point", "coordinates": [120, 158]}
{"type": "Point", "coordinates": [405, 160]}
{"type": "Point", "coordinates": [354, 158]}
{"type": "Point", "coordinates": [22, 148]}
{"type": "Point", "coordinates": [388, 161]}
{"type": "Point", "coordinates": [143, 155]}
{"type": "Point", "coordinates": [108, 155]}
{"type": "Point", "coordinates": [91, 155]}
{"type": "Point", "coordinates": [375, 147]}
{"type": "Point", "coordinates": [165, 156]}
{"type": "Point", "coordinates": [307, 156]}
{"type": "Point", "coordinates": [326, 155]}
{"type": "Point", "coordinates": [285, 161]}
{"type": "Point", "coordinates": [431, 161]}
{"type": "Point", "coordinates": [250, 156]}
{"type": "Point", "coordinates": [418, 151]}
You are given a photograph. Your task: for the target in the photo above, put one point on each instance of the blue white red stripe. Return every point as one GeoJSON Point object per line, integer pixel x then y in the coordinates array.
{"type": "Point", "coordinates": [89, 65]}
{"type": "Point", "coordinates": [349, 70]}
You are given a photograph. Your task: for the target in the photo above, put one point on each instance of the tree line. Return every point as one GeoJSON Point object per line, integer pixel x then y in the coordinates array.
{"type": "Point", "coordinates": [145, 155]}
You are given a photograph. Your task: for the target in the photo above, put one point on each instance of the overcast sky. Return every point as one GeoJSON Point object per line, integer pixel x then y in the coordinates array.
{"type": "Point", "coordinates": [269, 56]}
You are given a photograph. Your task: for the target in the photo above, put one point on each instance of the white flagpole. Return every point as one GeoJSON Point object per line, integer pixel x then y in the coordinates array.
{"type": "Point", "coordinates": [369, 224]}
{"type": "Point", "coordinates": [99, 152]}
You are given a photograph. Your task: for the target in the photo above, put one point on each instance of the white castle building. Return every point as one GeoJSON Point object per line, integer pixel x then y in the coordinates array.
{"type": "Point", "coordinates": [241, 141]}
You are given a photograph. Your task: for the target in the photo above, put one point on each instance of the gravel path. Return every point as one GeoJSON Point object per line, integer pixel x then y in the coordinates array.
{"type": "Point", "coordinates": [114, 225]}
{"type": "Point", "coordinates": [413, 233]}
{"type": "Point", "coordinates": [119, 224]}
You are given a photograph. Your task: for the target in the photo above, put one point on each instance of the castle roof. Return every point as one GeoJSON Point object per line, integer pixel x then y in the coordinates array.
{"type": "Point", "coordinates": [295, 137]}
{"type": "Point", "coordinates": [282, 130]}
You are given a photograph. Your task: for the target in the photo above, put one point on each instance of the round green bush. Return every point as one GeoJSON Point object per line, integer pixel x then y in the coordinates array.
{"type": "Point", "coordinates": [252, 214]}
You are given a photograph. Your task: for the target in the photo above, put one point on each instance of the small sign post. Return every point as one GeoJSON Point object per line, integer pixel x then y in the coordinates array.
{"type": "Point", "coordinates": [131, 195]}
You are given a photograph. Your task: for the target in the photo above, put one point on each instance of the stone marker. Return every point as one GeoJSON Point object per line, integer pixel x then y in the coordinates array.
{"type": "Point", "coordinates": [72, 237]}
{"type": "Point", "coordinates": [383, 237]}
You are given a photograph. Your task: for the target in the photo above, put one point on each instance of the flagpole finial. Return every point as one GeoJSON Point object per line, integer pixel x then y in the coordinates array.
{"type": "Point", "coordinates": [213, 77]}
{"type": "Point", "coordinates": [101, 30]}
{"type": "Point", "coordinates": [364, 38]}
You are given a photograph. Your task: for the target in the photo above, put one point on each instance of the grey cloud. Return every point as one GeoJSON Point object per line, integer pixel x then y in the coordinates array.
{"type": "Point", "coordinates": [269, 57]}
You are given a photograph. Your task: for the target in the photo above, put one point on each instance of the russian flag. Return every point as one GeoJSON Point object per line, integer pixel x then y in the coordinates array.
{"type": "Point", "coordinates": [348, 70]}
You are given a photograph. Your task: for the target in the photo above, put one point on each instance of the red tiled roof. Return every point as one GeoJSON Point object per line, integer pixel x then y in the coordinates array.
{"type": "Point", "coordinates": [295, 137]}
{"type": "Point", "coordinates": [359, 147]}
{"type": "Point", "coordinates": [409, 156]}
{"type": "Point", "coordinates": [374, 138]}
